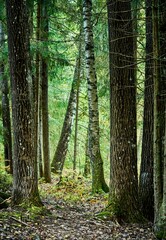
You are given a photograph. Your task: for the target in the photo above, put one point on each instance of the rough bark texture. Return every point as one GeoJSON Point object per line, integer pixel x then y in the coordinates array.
{"type": "Point", "coordinates": [159, 51]}
{"type": "Point", "coordinates": [44, 92]}
{"type": "Point", "coordinates": [123, 157]}
{"type": "Point", "coordinates": [62, 147]}
{"type": "Point", "coordinates": [98, 181]}
{"type": "Point", "coordinates": [146, 189]}
{"type": "Point", "coordinates": [87, 159]}
{"type": "Point", "coordinates": [5, 112]}
{"type": "Point", "coordinates": [25, 184]}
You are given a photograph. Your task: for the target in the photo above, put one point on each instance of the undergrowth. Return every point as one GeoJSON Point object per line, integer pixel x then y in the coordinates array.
{"type": "Point", "coordinates": [70, 188]}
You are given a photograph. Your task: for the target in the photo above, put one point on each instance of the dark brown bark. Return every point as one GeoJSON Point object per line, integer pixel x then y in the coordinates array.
{"type": "Point", "coordinates": [6, 112]}
{"type": "Point", "coordinates": [25, 181]}
{"type": "Point", "coordinates": [146, 190]}
{"type": "Point", "coordinates": [37, 95]}
{"type": "Point", "coordinates": [159, 51]}
{"type": "Point", "coordinates": [44, 92]}
{"type": "Point", "coordinates": [6, 123]}
{"type": "Point", "coordinates": [123, 148]}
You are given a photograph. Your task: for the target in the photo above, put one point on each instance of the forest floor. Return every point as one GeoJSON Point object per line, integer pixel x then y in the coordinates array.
{"type": "Point", "coordinates": [69, 212]}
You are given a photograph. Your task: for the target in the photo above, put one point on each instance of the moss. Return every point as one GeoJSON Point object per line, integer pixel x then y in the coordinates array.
{"type": "Point", "coordinates": [105, 215]}
{"type": "Point", "coordinates": [5, 181]}
{"type": "Point", "coordinates": [119, 212]}
{"type": "Point", "coordinates": [160, 231]}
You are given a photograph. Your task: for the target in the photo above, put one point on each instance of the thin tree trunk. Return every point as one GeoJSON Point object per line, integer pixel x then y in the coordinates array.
{"type": "Point", "coordinates": [44, 84]}
{"type": "Point", "coordinates": [76, 129]}
{"type": "Point", "coordinates": [98, 181]}
{"type": "Point", "coordinates": [25, 180]}
{"type": "Point", "coordinates": [37, 95]}
{"type": "Point", "coordinates": [123, 141]}
{"type": "Point", "coordinates": [146, 190]}
{"type": "Point", "coordinates": [6, 112]}
{"type": "Point", "coordinates": [61, 150]}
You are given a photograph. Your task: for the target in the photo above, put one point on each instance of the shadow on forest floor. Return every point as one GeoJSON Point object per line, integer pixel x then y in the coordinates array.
{"type": "Point", "coordinates": [69, 213]}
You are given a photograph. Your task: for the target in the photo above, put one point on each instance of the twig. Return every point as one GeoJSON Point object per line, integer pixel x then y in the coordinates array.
{"type": "Point", "coordinates": [19, 221]}
{"type": "Point", "coordinates": [5, 200]}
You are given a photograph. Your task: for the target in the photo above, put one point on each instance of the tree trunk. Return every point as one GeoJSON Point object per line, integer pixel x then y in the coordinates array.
{"type": "Point", "coordinates": [76, 128]}
{"type": "Point", "coordinates": [6, 113]}
{"type": "Point", "coordinates": [98, 181]}
{"type": "Point", "coordinates": [87, 159]}
{"type": "Point", "coordinates": [146, 190]}
{"type": "Point", "coordinates": [159, 51]}
{"type": "Point", "coordinates": [61, 150]}
{"type": "Point", "coordinates": [37, 95]}
{"type": "Point", "coordinates": [44, 87]}
{"type": "Point", "coordinates": [123, 145]}
{"type": "Point", "coordinates": [25, 181]}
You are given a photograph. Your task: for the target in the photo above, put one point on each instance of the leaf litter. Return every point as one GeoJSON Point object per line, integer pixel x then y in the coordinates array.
{"type": "Point", "coordinates": [68, 217]}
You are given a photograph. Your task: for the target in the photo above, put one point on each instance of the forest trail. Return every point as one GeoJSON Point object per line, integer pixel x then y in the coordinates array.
{"type": "Point", "coordinates": [67, 220]}
{"type": "Point", "coordinates": [74, 222]}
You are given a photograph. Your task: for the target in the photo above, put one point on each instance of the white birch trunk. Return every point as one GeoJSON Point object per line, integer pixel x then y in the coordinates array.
{"type": "Point", "coordinates": [98, 182]}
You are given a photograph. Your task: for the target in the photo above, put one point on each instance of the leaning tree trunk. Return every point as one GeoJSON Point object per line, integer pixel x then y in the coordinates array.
{"type": "Point", "coordinates": [146, 190]}
{"type": "Point", "coordinates": [25, 180]}
{"type": "Point", "coordinates": [62, 147]}
{"type": "Point", "coordinates": [98, 181]}
{"type": "Point", "coordinates": [123, 145]}
{"type": "Point", "coordinates": [44, 92]}
{"type": "Point", "coordinates": [6, 112]}
{"type": "Point", "coordinates": [159, 51]}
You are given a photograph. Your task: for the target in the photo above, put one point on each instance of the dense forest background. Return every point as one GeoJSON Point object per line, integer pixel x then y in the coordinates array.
{"type": "Point", "coordinates": [83, 94]}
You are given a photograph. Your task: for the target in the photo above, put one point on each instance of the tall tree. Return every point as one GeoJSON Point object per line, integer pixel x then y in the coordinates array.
{"type": "Point", "coordinates": [98, 181]}
{"type": "Point", "coordinates": [146, 190]}
{"type": "Point", "coordinates": [5, 111]}
{"type": "Point", "coordinates": [62, 147]}
{"type": "Point", "coordinates": [36, 93]}
{"type": "Point", "coordinates": [25, 180]}
{"type": "Point", "coordinates": [159, 118]}
{"type": "Point", "coordinates": [123, 150]}
{"type": "Point", "coordinates": [44, 91]}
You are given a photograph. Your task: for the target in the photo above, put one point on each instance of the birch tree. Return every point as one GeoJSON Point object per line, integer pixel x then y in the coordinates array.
{"type": "Point", "coordinates": [98, 181]}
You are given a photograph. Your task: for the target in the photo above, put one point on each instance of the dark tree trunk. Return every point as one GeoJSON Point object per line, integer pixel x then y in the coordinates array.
{"type": "Point", "coordinates": [44, 92]}
{"type": "Point", "coordinates": [61, 150]}
{"type": "Point", "coordinates": [98, 181]}
{"type": "Point", "coordinates": [37, 95]}
{"type": "Point", "coordinates": [25, 180]}
{"type": "Point", "coordinates": [6, 113]}
{"type": "Point", "coordinates": [146, 190]}
{"type": "Point", "coordinates": [159, 51]}
{"type": "Point", "coordinates": [123, 145]}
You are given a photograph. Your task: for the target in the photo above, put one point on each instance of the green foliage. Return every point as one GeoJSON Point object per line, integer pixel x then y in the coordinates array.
{"type": "Point", "coordinates": [72, 188]}
{"type": "Point", "coordinates": [5, 181]}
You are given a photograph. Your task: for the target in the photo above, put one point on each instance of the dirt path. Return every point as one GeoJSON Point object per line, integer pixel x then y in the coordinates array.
{"type": "Point", "coordinates": [69, 221]}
